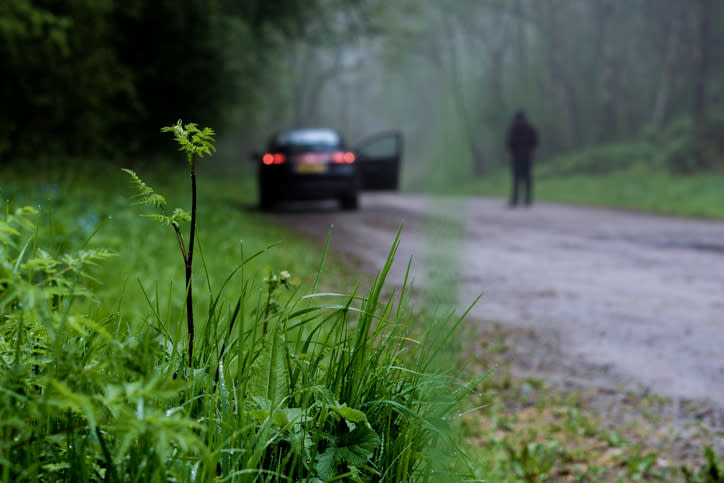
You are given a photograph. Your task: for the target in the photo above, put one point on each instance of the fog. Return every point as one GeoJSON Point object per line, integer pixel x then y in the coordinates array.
{"type": "Point", "coordinates": [450, 75]}
{"type": "Point", "coordinates": [88, 79]}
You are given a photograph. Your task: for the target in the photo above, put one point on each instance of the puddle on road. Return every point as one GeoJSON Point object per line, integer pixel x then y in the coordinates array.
{"type": "Point", "coordinates": [669, 243]}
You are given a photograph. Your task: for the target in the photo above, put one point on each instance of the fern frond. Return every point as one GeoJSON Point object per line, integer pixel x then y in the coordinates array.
{"type": "Point", "coordinates": [21, 218]}
{"type": "Point", "coordinates": [145, 195]}
{"type": "Point", "coordinates": [203, 140]}
{"type": "Point", "coordinates": [191, 139]}
{"type": "Point", "coordinates": [42, 263]}
{"type": "Point", "coordinates": [180, 215]}
{"type": "Point", "coordinates": [7, 232]}
{"type": "Point", "coordinates": [162, 219]}
{"type": "Point", "coordinates": [174, 219]}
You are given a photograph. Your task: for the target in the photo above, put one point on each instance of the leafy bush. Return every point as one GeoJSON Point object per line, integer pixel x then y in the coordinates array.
{"type": "Point", "coordinates": [677, 148]}
{"type": "Point", "coordinates": [710, 472]}
{"type": "Point", "coordinates": [686, 150]}
{"type": "Point", "coordinates": [599, 160]}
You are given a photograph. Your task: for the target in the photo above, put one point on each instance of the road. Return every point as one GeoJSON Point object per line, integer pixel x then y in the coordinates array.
{"type": "Point", "coordinates": [637, 296]}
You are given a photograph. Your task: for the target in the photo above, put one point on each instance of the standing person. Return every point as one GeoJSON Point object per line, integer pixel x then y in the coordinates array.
{"type": "Point", "coordinates": [522, 139]}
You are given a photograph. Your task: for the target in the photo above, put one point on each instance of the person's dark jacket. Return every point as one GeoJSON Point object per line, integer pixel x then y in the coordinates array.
{"type": "Point", "coordinates": [522, 139]}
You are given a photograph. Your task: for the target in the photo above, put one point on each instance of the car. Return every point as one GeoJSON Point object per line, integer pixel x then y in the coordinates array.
{"type": "Point", "coordinates": [315, 164]}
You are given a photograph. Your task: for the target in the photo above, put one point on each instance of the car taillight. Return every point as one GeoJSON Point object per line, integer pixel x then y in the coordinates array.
{"type": "Point", "coordinates": [340, 157]}
{"type": "Point", "coordinates": [276, 158]}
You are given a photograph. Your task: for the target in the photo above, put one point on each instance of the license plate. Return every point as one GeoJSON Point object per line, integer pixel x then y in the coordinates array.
{"type": "Point", "coordinates": [311, 168]}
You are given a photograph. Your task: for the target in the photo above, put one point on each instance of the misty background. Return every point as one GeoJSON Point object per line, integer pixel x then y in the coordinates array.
{"type": "Point", "coordinates": [636, 81]}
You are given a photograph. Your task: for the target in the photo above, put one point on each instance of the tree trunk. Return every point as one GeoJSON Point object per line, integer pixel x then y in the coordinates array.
{"type": "Point", "coordinates": [478, 158]}
{"type": "Point", "coordinates": [700, 18]}
{"type": "Point", "coordinates": [559, 81]}
{"type": "Point", "coordinates": [604, 13]}
{"type": "Point", "coordinates": [663, 94]}
{"type": "Point", "coordinates": [299, 89]}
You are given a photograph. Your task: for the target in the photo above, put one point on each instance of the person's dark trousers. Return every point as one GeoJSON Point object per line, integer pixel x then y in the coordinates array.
{"type": "Point", "coordinates": [521, 174]}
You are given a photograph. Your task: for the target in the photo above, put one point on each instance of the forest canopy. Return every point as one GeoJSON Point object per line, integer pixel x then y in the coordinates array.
{"type": "Point", "coordinates": [90, 77]}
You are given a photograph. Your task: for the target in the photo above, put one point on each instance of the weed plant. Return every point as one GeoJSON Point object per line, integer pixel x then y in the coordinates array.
{"type": "Point", "coordinates": [284, 384]}
{"type": "Point", "coordinates": [712, 471]}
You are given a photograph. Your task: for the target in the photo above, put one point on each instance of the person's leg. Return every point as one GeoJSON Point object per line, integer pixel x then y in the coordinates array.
{"type": "Point", "coordinates": [528, 184]}
{"type": "Point", "coordinates": [515, 176]}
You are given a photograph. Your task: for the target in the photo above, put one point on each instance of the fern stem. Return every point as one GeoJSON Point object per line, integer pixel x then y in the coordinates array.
{"type": "Point", "coordinates": [189, 261]}
{"type": "Point", "coordinates": [179, 236]}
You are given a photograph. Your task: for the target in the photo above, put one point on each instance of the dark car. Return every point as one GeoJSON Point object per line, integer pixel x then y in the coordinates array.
{"type": "Point", "coordinates": [315, 164]}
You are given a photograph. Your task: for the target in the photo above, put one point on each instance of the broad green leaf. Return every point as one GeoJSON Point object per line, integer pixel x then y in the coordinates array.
{"type": "Point", "coordinates": [268, 373]}
{"type": "Point", "coordinates": [79, 403]}
{"type": "Point", "coordinates": [351, 414]}
{"type": "Point", "coordinates": [259, 414]}
{"type": "Point", "coordinates": [351, 448]}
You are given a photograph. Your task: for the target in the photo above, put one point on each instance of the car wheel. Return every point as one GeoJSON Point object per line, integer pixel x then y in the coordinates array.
{"type": "Point", "coordinates": [266, 202]}
{"type": "Point", "coordinates": [349, 201]}
{"type": "Point", "coordinates": [396, 183]}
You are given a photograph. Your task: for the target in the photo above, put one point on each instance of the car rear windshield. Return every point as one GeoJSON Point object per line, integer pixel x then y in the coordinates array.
{"type": "Point", "coordinates": [304, 140]}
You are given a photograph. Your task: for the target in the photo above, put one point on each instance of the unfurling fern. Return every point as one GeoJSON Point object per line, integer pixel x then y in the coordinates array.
{"type": "Point", "coordinates": [145, 195]}
{"type": "Point", "coordinates": [194, 142]}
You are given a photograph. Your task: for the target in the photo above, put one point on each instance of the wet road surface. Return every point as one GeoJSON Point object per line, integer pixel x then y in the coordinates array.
{"type": "Point", "coordinates": [638, 295]}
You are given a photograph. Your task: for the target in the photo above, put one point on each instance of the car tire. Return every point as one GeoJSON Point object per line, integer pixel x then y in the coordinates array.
{"type": "Point", "coordinates": [396, 183]}
{"type": "Point", "coordinates": [266, 202]}
{"type": "Point", "coordinates": [349, 202]}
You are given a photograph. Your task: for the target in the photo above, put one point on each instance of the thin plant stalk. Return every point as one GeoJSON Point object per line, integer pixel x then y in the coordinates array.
{"type": "Point", "coordinates": [195, 142]}
{"type": "Point", "coordinates": [189, 261]}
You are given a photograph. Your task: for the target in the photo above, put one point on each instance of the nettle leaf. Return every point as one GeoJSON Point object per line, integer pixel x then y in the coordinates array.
{"type": "Point", "coordinates": [351, 414]}
{"type": "Point", "coordinates": [350, 448]}
{"type": "Point", "coordinates": [280, 418]}
{"type": "Point", "coordinates": [259, 414]}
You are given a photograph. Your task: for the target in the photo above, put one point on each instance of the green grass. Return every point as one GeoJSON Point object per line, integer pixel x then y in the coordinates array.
{"type": "Point", "coordinates": [341, 386]}
{"type": "Point", "coordinates": [526, 430]}
{"type": "Point", "coordinates": [291, 380]}
{"type": "Point", "coordinates": [96, 204]}
{"type": "Point", "coordinates": [641, 184]}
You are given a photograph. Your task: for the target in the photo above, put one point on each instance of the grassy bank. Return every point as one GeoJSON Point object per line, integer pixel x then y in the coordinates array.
{"type": "Point", "coordinates": [295, 375]}
{"type": "Point", "coordinates": [627, 177]}
{"type": "Point", "coordinates": [97, 387]}
{"type": "Point", "coordinates": [533, 430]}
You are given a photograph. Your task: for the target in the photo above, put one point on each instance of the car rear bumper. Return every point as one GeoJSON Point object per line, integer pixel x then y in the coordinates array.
{"type": "Point", "coordinates": [308, 187]}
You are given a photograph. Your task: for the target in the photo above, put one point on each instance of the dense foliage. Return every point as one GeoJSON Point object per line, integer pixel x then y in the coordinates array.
{"type": "Point", "coordinates": [96, 77]}
{"type": "Point", "coordinates": [281, 390]}
{"type": "Point", "coordinates": [452, 73]}
{"type": "Point", "coordinates": [88, 77]}
{"type": "Point", "coordinates": [282, 385]}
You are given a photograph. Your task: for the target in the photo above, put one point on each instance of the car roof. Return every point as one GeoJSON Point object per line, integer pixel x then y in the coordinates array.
{"type": "Point", "coordinates": [325, 136]}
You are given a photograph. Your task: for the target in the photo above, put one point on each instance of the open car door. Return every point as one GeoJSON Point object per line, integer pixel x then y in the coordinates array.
{"type": "Point", "coordinates": [378, 160]}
